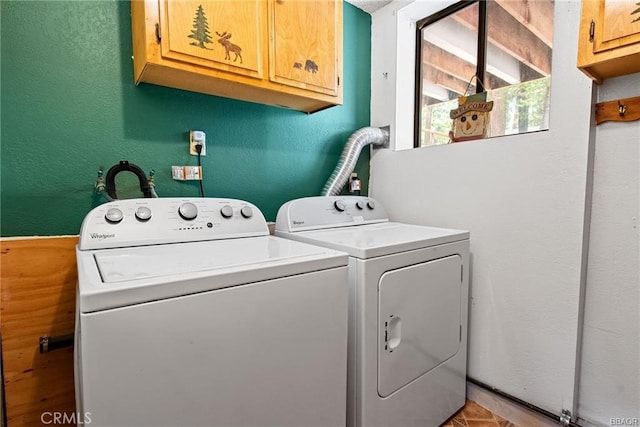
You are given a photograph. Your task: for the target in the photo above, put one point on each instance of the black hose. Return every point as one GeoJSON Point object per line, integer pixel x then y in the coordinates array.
{"type": "Point", "coordinates": [110, 181]}
{"type": "Point", "coordinates": [199, 149]}
{"type": "Point", "coordinates": [48, 343]}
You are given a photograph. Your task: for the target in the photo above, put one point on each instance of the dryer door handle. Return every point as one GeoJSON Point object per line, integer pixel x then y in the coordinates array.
{"type": "Point", "coordinates": [392, 333]}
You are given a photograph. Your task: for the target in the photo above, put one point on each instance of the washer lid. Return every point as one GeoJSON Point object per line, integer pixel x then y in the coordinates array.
{"type": "Point", "coordinates": [117, 277]}
{"type": "Point", "coordinates": [373, 240]}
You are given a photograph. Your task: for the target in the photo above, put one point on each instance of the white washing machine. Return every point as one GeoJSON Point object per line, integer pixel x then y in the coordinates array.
{"type": "Point", "coordinates": [190, 314]}
{"type": "Point", "coordinates": [407, 313]}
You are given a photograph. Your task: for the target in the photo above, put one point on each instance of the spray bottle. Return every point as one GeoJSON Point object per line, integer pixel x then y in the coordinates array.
{"type": "Point", "coordinates": [354, 185]}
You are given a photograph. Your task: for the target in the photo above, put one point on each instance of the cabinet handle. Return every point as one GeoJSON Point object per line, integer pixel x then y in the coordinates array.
{"type": "Point", "coordinates": [592, 31]}
{"type": "Point", "coordinates": [158, 35]}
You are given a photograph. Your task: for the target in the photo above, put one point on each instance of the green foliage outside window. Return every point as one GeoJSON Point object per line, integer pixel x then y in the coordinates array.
{"type": "Point", "coordinates": [517, 109]}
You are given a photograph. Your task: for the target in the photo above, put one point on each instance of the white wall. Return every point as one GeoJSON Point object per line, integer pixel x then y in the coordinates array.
{"type": "Point", "coordinates": [525, 200]}
{"type": "Point", "coordinates": [392, 65]}
{"type": "Point", "coordinates": [610, 378]}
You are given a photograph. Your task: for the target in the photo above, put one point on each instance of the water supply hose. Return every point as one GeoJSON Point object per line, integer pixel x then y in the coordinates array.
{"type": "Point", "coordinates": [129, 167]}
{"type": "Point", "coordinates": [152, 185]}
{"type": "Point", "coordinates": [101, 188]}
{"type": "Point", "coordinates": [356, 142]}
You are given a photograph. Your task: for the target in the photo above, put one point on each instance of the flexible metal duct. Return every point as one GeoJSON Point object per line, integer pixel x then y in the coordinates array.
{"type": "Point", "coordinates": [356, 142]}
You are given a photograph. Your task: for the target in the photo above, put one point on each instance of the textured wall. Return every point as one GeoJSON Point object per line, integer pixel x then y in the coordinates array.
{"type": "Point", "coordinates": [523, 199]}
{"type": "Point", "coordinates": [69, 105]}
{"type": "Point", "coordinates": [610, 376]}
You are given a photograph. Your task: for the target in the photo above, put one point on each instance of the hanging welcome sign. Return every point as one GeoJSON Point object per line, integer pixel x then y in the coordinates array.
{"type": "Point", "coordinates": [471, 118]}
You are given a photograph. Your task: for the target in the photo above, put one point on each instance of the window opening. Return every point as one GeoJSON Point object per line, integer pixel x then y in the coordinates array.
{"type": "Point", "coordinates": [507, 44]}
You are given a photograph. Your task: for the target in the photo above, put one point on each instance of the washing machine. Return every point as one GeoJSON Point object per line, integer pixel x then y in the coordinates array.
{"type": "Point", "coordinates": [408, 308]}
{"type": "Point", "coordinates": [190, 314]}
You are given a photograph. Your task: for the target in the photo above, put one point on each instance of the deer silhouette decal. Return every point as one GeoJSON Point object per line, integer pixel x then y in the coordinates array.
{"type": "Point", "coordinates": [229, 47]}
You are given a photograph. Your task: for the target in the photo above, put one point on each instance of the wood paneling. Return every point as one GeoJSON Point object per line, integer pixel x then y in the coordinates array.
{"type": "Point", "coordinates": [38, 289]}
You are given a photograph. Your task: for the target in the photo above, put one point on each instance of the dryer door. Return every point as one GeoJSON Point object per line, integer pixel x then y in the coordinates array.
{"type": "Point", "coordinates": [419, 320]}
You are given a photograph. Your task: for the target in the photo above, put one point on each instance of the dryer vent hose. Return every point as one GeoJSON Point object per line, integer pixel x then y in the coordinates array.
{"type": "Point", "coordinates": [356, 142]}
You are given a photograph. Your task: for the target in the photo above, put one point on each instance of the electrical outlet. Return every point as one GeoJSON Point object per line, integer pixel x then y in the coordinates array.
{"type": "Point", "coordinates": [186, 173]}
{"type": "Point", "coordinates": [197, 137]}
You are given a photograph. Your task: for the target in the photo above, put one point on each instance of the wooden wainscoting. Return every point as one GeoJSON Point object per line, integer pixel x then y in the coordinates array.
{"type": "Point", "coordinates": [38, 287]}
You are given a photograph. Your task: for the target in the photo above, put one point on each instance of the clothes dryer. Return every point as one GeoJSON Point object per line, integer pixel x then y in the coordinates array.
{"type": "Point", "coordinates": [407, 313]}
{"type": "Point", "coordinates": [190, 314]}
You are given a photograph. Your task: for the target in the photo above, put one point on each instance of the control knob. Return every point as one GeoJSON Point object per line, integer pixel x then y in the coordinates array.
{"type": "Point", "coordinates": [226, 211]}
{"type": "Point", "coordinates": [113, 216]}
{"type": "Point", "coordinates": [360, 204]}
{"type": "Point", "coordinates": [339, 205]}
{"type": "Point", "coordinates": [188, 211]}
{"type": "Point", "coordinates": [371, 204]}
{"type": "Point", "coordinates": [143, 214]}
{"type": "Point", "coordinates": [246, 211]}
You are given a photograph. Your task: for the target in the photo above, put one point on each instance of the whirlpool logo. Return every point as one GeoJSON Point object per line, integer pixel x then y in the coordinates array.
{"type": "Point", "coordinates": [298, 222]}
{"type": "Point", "coordinates": [102, 236]}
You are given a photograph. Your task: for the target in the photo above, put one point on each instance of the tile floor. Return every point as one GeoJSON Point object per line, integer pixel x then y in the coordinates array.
{"type": "Point", "coordinates": [474, 415]}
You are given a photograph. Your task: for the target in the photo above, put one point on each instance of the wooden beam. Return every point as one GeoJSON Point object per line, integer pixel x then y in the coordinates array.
{"type": "Point", "coordinates": [494, 82]}
{"type": "Point", "coordinates": [536, 15]}
{"type": "Point", "coordinates": [445, 80]}
{"type": "Point", "coordinates": [440, 59]}
{"type": "Point", "coordinates": [509, 35]}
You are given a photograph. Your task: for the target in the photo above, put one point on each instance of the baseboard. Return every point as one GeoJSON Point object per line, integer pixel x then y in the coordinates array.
{"type": "Point", "coordinates": [517, 414]}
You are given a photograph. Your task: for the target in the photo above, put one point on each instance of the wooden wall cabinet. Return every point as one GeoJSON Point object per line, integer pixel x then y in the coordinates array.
{"type": "Point", "coordinates": [609, 43]}
{"type": "Point", "coordinates": [286, 53]}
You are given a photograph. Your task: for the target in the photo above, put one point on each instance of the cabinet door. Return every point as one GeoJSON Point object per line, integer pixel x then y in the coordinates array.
{"type": "Point", "coordinates": [306, 44]}
{"type": "Point", "coordinates": [617, 24]}
{"type": "Point", "coordinates": [609, 41]}
{"type": "Point", "coordinates": [223, 35]}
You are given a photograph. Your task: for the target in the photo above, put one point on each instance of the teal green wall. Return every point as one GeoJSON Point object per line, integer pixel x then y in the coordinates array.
{"type": "Point", "coordinates": [69, 106]}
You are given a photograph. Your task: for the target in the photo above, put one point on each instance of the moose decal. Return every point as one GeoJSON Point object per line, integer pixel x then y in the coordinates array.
{"type": "Point", "coordinates": [229, 47]}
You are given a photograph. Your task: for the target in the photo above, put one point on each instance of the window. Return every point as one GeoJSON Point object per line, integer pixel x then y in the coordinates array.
{"type": "Point", "coordinates": [507, 44]}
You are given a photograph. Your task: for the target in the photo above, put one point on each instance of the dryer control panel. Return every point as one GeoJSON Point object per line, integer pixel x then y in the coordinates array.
{"type": "Point", "coordinates": [314, 213]}
{"type": "Point", "coordinates": [141, 222]}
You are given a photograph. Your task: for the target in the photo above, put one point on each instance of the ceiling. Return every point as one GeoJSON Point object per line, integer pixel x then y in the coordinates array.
{"type": "Point", "coordinates": [369, 5]}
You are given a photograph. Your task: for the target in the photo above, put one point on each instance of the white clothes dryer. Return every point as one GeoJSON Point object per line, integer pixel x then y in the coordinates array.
{"type": "Point", "coordinates": [408, 308]}
{"type": "Point", "coordinates": [190, 314]}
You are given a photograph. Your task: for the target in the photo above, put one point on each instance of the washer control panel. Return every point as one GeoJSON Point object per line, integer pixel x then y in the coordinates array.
{"type": "Point", "coordinates": [312, 213]}
{"type": "Point", "coordinates": [140, 222]}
